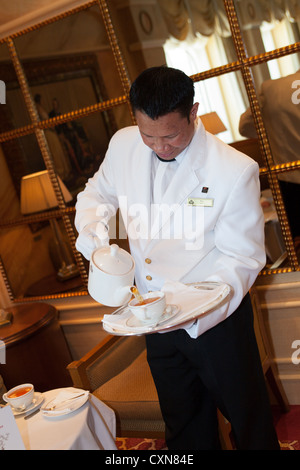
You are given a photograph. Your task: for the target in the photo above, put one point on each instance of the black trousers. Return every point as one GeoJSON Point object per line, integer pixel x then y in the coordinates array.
{"type": "Point", "coordinates": [220, 369]}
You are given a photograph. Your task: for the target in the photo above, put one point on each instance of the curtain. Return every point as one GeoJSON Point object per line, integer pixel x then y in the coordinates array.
{"type": "Point", "coordinates": [199, 53]}
{"type": "Point", "coordinates": [207, 17]}
{"type": "Point", "coordinates": [293, 10]}
{"type": "Point", "coordinates": [200, 39]}
{"type": "Point", "coordinates": [176, 18]}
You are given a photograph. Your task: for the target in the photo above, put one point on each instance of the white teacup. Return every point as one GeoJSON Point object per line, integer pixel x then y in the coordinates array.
{"type": "Point", "coordinates": [152, 310]}
{"type": "Point", "coordinates": [20, 397]}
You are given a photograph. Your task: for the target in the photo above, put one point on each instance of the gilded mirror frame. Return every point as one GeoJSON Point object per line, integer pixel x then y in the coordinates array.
{"type": "Point", "coordinates": [243, 64]}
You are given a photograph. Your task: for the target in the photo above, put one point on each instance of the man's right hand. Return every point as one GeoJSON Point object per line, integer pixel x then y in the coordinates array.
{"type": "Point", "coordinates": [92, 236]}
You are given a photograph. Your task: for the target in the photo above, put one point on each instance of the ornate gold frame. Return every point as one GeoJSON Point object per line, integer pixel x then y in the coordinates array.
{"type": "Point", "coordinates": [37, 127]}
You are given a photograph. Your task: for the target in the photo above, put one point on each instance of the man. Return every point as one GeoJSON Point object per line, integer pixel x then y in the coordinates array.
{"type": "Point", "coordinates": [280, 107]}
{"type": "Point", "coordinates": [162, 162]}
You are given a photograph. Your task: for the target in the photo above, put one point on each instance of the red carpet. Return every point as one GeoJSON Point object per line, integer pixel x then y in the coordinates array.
{"type": "Point", "coordinates": [287, 427]}
{"type": "Point", "coordinates": [135, 443]}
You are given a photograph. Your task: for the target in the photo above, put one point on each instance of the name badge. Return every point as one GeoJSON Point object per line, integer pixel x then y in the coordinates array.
{"type": "Point", "coordinates": [200, 201]}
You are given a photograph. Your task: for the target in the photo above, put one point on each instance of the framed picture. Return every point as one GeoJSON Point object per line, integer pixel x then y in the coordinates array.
{"type": "Point", "coordinates": [58, 86]}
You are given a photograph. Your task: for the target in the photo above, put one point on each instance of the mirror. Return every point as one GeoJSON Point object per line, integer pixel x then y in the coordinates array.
{"type": "Point", "coordinates": [278, 105]}
{"type": "Point", "coordinates": [266, 26]}
{"type": "Point", "coordinates": [75, 74]}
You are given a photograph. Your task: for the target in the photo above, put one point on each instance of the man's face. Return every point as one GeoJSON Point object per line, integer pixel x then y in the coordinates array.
{"type": "Point", "coordinates": [167, 135]}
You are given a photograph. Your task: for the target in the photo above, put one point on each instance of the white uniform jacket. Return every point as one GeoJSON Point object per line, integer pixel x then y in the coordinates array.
{"type": "Point", "coordinates": [210, 225]}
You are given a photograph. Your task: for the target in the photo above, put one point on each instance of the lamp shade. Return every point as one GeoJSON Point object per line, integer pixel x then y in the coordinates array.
{"type": "Point", "coordinates": [212, 123]}
{"type": "Point", "coordinates": [37, 193]}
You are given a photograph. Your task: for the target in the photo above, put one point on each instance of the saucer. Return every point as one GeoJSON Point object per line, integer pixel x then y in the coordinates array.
{"type": "Point", "coordinates": [134, 322]}
{"type": "Point", "coordinates": [67, 406]}
{"type": "Point", "coordinates": [36, 402]}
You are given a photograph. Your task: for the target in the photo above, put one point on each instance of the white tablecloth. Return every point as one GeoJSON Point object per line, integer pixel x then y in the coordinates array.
{"type": "Point", "coordinates": [91, 427]}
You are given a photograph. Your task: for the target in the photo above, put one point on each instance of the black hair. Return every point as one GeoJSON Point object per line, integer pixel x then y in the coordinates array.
{"type": "Point", "coordinates": [161, 90]}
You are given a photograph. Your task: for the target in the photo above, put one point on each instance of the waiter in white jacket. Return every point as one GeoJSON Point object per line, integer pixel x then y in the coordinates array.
{"type": "Point", "coordinates": [190, 204]}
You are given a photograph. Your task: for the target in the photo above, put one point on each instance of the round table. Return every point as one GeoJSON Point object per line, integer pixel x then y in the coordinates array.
{"type": "Point", "coordinates": [90, 427]}
{"type": "Point", "coordinates": [35, 348]}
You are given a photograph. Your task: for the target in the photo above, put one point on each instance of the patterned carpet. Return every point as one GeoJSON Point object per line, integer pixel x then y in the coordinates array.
{"type": "Point", "coordinates": [131, 443]}
{"type": "Point", "coordinates": [134, 443]}
{"type": "Point", "coordinates": [287, 427]}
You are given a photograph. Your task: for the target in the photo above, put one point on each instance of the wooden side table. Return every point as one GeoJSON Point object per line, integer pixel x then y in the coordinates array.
{"type": "Point", "coordinates": [36, 349]}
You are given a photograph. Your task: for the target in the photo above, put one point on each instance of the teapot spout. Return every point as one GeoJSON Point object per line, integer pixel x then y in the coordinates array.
{"type": "Point", "coordinates": [122, 295]}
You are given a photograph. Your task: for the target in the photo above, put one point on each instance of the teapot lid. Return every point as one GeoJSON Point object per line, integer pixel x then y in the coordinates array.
{"type": "Point", "coordinates": [113, 260]}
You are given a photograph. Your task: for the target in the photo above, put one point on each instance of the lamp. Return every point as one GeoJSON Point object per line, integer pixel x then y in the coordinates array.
{"type": "Point", "coordinates": [212, 123]}
{"type": "Point", "coordinates": [37, 195]}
